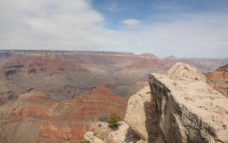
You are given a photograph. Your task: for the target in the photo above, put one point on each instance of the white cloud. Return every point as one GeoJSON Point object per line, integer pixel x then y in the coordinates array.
{"type": "Point", "coordinates": [203, 35]}
{"type": "Point", "coordinates": [75, 25]}
{"type": "Point", "coordinates": [53, 24]}
{"type": "Point", "coordinates": [130, 23]}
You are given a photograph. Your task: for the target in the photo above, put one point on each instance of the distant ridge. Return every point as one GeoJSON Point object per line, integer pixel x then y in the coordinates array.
{"type": "Point", "coordinates": [64, 51]}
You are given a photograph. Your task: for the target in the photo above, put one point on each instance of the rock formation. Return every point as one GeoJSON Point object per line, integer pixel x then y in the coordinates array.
{"type": "Point", "coordinates": [219, 80]}
{"type": "Point", "coordinates": [180, 70]}
{"type": "Point", "coordinates": [139, 112]}
{"type": "Point", "coordinates": [49, 108]}
{"type": "Point", "coordinates": [184, 109]}
{"type": "Point", "coordinates": [34, 117]}
{"type": "Point", "coordinates": [59, 72]}
{"type": "Point", "coordinates": [101, 133]}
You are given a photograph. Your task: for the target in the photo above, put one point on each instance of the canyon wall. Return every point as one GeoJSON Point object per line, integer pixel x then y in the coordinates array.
{"type": "Point", "coordinates": [181, 108]}
{"type": "Point", "coordinates": [66, 74]}
{"type": "Point", "coordinates": [219, 80]}
{"type": "Point", "coordinates": [35, 117]}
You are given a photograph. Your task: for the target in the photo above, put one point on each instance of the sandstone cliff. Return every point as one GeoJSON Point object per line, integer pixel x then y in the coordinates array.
{"type": "Point", "coordinates": [183, 109]}
{"type": "Point", "coordinates": [219, 80]}
{"type": "Point", "coordinates": [139, 112]}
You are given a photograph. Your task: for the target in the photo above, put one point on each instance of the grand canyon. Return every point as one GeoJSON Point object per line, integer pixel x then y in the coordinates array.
{"type": "Point", "coordinates": [58, 96]}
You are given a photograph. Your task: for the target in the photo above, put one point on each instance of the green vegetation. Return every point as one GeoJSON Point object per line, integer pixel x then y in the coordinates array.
{"type": "Point", "coordinates": [84, 141]}
{"type": "Point", "coordinates": [113, 120]}
{"type": "Point", "coordinates": [103, 117]}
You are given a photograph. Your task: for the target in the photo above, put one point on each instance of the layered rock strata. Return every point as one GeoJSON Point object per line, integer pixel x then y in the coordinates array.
{"type": "Point", "coordinates": [34, 117]}
{"type": "Point", "coordinates": [219, 80]}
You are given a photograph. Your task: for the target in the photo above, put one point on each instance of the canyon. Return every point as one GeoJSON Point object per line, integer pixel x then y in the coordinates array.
{"type": "Point", "coordinates": [34, 117]}
{"type": "Point", "coordinates": [58, 72]}
{"type": "Point", "coordinates": [58, 96]}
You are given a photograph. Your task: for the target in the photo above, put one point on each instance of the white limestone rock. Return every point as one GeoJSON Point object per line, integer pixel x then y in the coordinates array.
{"type": "Point", "coordinates": [135, 116]}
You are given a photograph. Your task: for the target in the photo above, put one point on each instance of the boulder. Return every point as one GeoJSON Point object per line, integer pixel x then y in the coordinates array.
{"type": "Point", "coordinates": [139, 112]}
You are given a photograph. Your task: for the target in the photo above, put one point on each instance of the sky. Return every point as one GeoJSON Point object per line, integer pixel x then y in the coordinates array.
{"type": "Point", "coordinates": [183, 28]}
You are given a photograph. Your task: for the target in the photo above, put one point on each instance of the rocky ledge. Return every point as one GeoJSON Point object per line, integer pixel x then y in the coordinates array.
{"type": "Point", "coordinates": [181, 108]}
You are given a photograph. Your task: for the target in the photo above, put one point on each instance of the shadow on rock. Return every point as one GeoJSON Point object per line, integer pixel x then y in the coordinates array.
{"type": "Point", "coordinates": [152, 124]}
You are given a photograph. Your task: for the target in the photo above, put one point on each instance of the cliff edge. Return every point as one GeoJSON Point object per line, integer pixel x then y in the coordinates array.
{"type": "Point", "coordinates": [182, 108]}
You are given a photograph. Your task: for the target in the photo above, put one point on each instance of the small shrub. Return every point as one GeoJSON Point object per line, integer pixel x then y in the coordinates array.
{"type": "Point", "coordinates": [84, 141]}
{"type": "Point", "coordinates": [99, 125]}
{"type": "Point", "coordinates": [113, 120]}
{"type": "Point", "coordinates": [103, 117]}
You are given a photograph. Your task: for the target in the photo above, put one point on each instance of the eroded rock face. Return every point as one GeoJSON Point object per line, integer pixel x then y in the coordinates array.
{"type": "Point", "coordinates": [219, 80]}
{"type": "Point", "coordinates": [138, 112]}
{"type": "Point", "coordinates": [183, 109]}
{"type": "Point", "coordinates": [188, 110]}
{"type": "Point", "coordinates": [56, 121]}
{"type": "Point", "coordinates": [101, 133]}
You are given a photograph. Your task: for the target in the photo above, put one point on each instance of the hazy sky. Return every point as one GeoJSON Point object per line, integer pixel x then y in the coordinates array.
{"type": "Point", "coordinates": [184, 28]}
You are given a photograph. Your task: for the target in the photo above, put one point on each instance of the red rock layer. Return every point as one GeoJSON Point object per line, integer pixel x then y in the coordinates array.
{"type": "Point", "coordinates": [34, 65]}
{"type": "Point", "coordinates": [62, 131]}
{"type": "Point", "coordinates": [67, 120]}
{"type": "Point", "coordinates": [219, 80]}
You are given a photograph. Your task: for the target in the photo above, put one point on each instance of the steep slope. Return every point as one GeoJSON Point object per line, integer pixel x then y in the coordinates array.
{"type": "Point", "coordinates": [219, 80]}
{"type": "Point", "coordinates": [34, 117]}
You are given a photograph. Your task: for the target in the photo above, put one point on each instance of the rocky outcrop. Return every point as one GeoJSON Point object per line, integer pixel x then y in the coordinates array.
{"type": "Point", "coordinates": [219, 80]}
{"type": "Point", "coordinates": [139, 112]}
{"type": "Point", "coordinates": [188, 110]}
{"type": "Point", "coordinates": [184, 109]}
{"type": "Point", "coordinates": [92, 138]}
{"type": "Point", "coordinates": [180, 70]}
{"type": "Point", "coordinates": [101, 133]}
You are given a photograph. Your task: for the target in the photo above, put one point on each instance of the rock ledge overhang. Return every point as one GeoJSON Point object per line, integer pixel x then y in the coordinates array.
{"type": "Point", "coordinates": [189, 109]}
